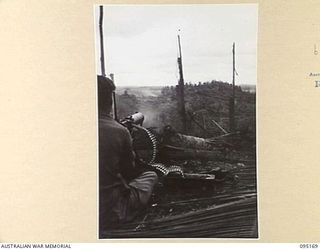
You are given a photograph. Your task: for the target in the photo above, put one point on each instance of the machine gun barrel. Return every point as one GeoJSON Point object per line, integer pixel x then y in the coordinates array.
{"type": "Point", "coordinates": [134, 119]}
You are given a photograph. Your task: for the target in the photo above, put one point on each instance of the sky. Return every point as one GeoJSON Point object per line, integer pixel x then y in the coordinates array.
{"type": "Point", "coordinates": [141, 48]}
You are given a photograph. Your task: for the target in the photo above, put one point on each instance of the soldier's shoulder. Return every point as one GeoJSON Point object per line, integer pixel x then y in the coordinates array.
{"type": "Point", "coordinates": [113, 125]}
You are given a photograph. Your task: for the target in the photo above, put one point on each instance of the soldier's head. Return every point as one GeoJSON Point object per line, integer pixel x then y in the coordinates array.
{"type": "Point", "coordinates": [105, 89]}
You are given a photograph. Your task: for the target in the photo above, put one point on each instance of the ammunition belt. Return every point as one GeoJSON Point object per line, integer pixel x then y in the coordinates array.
{"type": "Point", "coordinates": [159, 166]}
{"type": "Point", "coordinates": [167, 170]}
{"type": "Point", "coordinates": [154, 143]}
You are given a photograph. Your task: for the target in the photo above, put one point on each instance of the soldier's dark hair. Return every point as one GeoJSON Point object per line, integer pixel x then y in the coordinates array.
{"type": "Point", "coordinates": [105, 89]}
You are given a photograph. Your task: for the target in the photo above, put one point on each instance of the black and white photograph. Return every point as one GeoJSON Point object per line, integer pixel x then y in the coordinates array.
{"type": "Point", "coordinates": [176, 112]}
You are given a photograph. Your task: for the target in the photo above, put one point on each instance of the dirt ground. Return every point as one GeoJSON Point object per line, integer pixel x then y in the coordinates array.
{"type": "Point", "coordinates": [213, 209]}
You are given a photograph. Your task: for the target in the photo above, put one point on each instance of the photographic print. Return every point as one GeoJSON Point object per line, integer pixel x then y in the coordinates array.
{"type": "Point", "coordinates": [176, 88]}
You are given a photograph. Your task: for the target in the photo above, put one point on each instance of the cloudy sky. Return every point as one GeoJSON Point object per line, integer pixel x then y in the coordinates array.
{"type": "Point", "coordinates": [141, 43]}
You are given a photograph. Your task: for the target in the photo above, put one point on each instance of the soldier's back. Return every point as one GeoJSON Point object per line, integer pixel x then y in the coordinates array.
{"type": "Point", "coordinates": [112, 139]}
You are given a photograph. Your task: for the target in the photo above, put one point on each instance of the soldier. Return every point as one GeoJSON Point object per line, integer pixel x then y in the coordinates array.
{"type": "Point", "coordinates": [123, 189]}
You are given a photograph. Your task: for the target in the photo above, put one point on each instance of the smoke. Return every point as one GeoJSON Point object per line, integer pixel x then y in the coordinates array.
{"type": "Point", "coordinates": [144, 100]}
{"type": "Point", "coordinates": [141, 92]}
{"type": "Point", "coordinates": [151, 117]}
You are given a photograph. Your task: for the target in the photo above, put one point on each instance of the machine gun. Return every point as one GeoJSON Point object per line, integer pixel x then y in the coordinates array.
{"type": "Point", "coordinates": [133, 120]}
{"type": "Point", "coordinates": [160, 154]}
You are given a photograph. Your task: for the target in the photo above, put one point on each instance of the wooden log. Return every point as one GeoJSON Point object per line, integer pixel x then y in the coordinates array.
{"type": "Point", "coordinates": [187, 141]}
{"type": "Point", "coordinates": [172, 138]}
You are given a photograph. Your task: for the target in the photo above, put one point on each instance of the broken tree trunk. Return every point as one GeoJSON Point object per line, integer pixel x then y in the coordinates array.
{"type": "Point", "coordinates": [170, 137]}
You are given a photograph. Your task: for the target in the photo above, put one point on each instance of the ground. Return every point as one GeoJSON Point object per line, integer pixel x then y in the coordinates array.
{"type": "Point", "coordinates": [223, 209]}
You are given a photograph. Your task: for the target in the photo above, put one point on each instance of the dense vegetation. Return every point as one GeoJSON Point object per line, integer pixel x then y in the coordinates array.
{"type": "Point", "coordinates": [206, 103]}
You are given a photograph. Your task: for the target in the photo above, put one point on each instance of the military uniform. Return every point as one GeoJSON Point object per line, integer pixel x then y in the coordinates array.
{"type": "Point", "coordinates": [124, 190]}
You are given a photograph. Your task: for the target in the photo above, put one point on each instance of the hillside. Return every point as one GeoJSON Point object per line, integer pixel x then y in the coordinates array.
{"type": "Point", "coordinates": [206, 103]}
